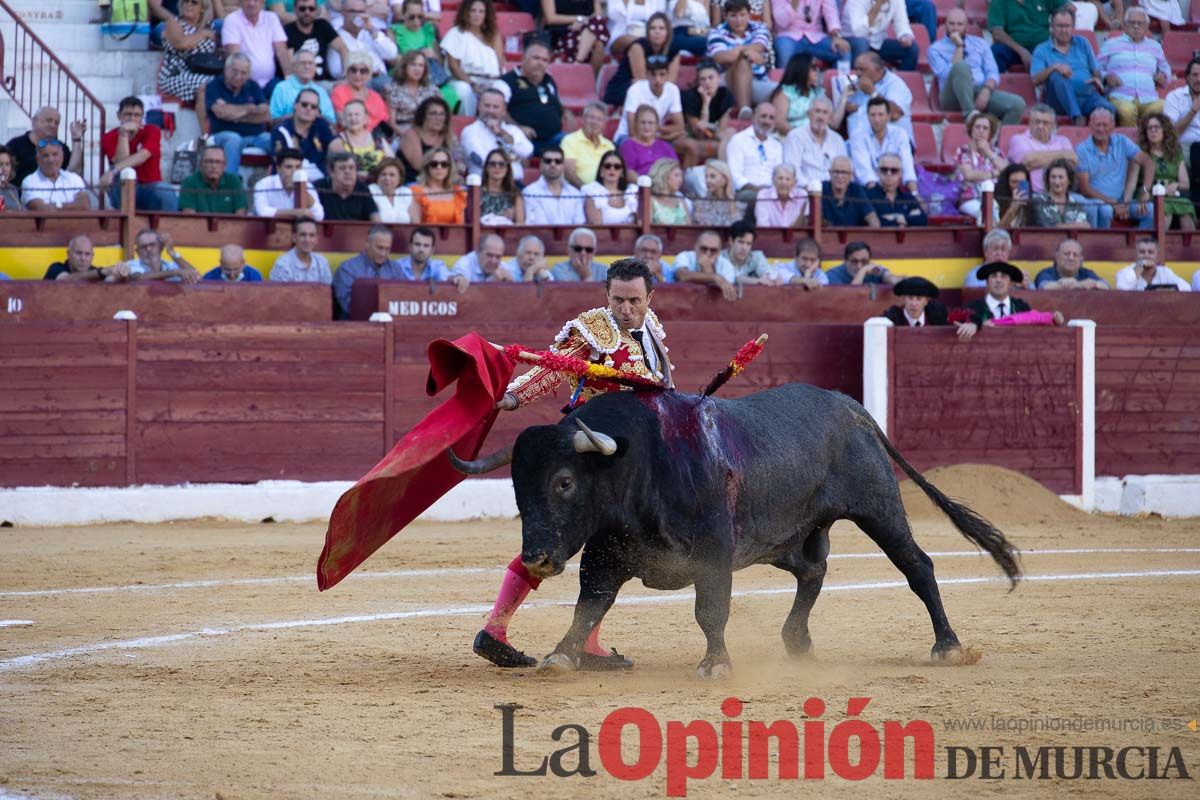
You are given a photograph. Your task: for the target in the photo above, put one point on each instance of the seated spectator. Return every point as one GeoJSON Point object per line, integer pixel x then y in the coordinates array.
{"type": "Point", "coordinates": [895, 205]}
{"type": "Point", "coordinates": [363, 38]}
{"type": "Point", "coordinates": [1057, 207]}
{"type": "Point", "coordinates": [550, 200]}
{"type": "Point", "coordinates": [485, 264]}
{"type": "Point", "coordinates": [10, 194]}
{"type": "Point", "coordinates": [754, 153]}
{"type": "Point", "coordinates": [783, 204]}
{"type": "Point", "coordinates": [751, 265]}
{"type": "Point", "coordinates": [1067, 271]}
{"type": "Point", "coordinates": [967, 74]}
{"type": "Point", "coordinates": [813, 146]}
{"type": "Point", "coordinates": [1147, 272]}
{"type": "Point", "coordinates": [501, 202]}
{"type": "Point", "coordinates": [233, 268]}
{"type": "Point", "coordinates": [668, 206]}
{"type": "Point", "coordinates": [691, 21]}
{"type": "Point", "coordinates": [50, 187]}
{"type": "Point", "coordinates": [393, 201]}
{"type": "Point", "coordinates": [920, 307]}
{"type": "Point", "coordinates": [533, 100]}
{"type": "Point", "coordinates": [997, 246]}
{"type": "Point", "coordinates": [137, 145]}
{"type": "Point", "coordinates": [585, 147]}
{"type": "Point", "coordinates": [431, 128]}
{"type": "Point", "coordinates": [530, 261]}
{"type": "Point", "coordinates": [1067, 69]}
{"type": "Point", "coordinates": [186, 36]}
{"type": "Point", "coordinates": [414, 32]}
{"type": "Point", "coordinates": [869, 143]}
{"type": "Point", "coordinates": [375, 261]}
{"type": "Point", "coordinates": [280, 195]}
{"type": "Point", "coordinates": [1159, 142]}
{"type": "Point", "coordinates": [355, 87]}
{"type": "Point", "coordinates": [420, 265]}
{"type": "Point", "coordinates": [411, 87]}
{"type": "Point", "coordinates": [283, 97]}
{"type": "Point", "coordinates": [868, 31]}
{"type": "Point", "coordinates": [491, 132]}
{"type": "Point", "coordinates": [1182, 107]}
{"type": "Point", "coordinates": [873, 79]}
{"type": "Point", "coordinates": [78, 265]}
{"type": "Point", "coordinates": [999, 302]}
{"type": "Point", "coordinates": [644, 146]}
{"type": "Point", "coordinates": [258, 35]}
{"type": "Point", "coordinates": [236, 113]}
{"type": "Point", "coordinates": [1017, 29]}
{"type": "Point", "coordinates": [742, 49]}
{"type": "Point", "coordinates": [473, 52]}
{"type": "Point", "coordinates": [844, 203]}
{"type": "Point", "coordinates": [705, 264]}
{"type": "Point", "coordinates": [1167, 12]}
{"type": "Point", "coordinates": [799, 86]}
{"type": "Point", "coordinates": [806, 268]}
{"type": "Point", "coordinates": [442, 202]}
{"type": "Point", "coordinates": [302, 264]}
{"type": "Point", "coordinates": [1134, 69]}
{"type": "Point", "coordinates": [706, 114]}
{"type": "Point", "coordinates": [311, 32]}
{"type": "Point", "coordinates": [859, 268]}
{"type": "Point", "coordinates": [661, 97]}
{"type": "Point", "coordinates": [808, 27]}
{"type": "Point", "coordinates": [1012, 198]}
{"type": "Point", "coordinates": [149, 265]}
{"type": "Point", "coordinates": [578, 30]}
{"type": "Point", "coordinates": [342, 194]}
{"type": "Point", "coordinates": [611, 199]}
{"type": "Point", "coordinates": [658, 40]}
{"type": "Point", "coordinates": [367, 146]}
{"type": "Point", "coordinates": [648, 249]}
{"type": "Point", "coordinates": [977, 161]}
{"type": "Point", "coordinates": [1041, 144]}
{"type": "Point", "coordinates": [307, 131]}
{"type": "Point", "coordinates": [211, 189]}
{"type": "Point", "coordinates": [718, 208]}
{"type": "Point", "coordinates": [580, 264]}
{"type": "Point", "coordinates": [1104, 165]}
{"type": "Point", "coordinates": [23, 148]}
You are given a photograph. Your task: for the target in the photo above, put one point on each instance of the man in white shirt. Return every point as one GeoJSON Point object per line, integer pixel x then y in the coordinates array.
{"type": "Point", "coordinates": [359, 35]}
{"type": "Point", "coordinates": [530, 262]}
{"type": "Point", "coordinates": [705, 264]}
{"type": "Point", "coordinates": [150, 264]}
{"type": "Point", "coordinates": [490, 131]}
{"type": "Point", "coordinates": [872, 78]}
{"type": "Point", "coordinates": [663, 97]}
{"type": "Point", "coordinates": [51, 187]}
{"type": "Point", "coordinates": [1182, 106]}
{"type": "Point", "coordinates": [813, 146]}
{"type": "Point", "coordinates": [550, 200]}
{"type": "Point", "coordinates": [1147, 272]}
{"type": "Point", "coordinates": [866, 24]}
{"type": "Point", "coordinates": [879, 137]}
{"type": "Point", "coordinates": [754, 153]}
{"type": "Point", "coordinates": [484, 265]}
{"type": "Point", "coordinates": [302, 264]}
{"type": "Point", "coordinates": [258, 35]}
{"type": "Point", "coordinates": [275, 195]}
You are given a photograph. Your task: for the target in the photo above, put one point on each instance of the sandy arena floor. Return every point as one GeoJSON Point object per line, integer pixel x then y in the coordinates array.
{"type": "Point", "coordinates": [197, 660]}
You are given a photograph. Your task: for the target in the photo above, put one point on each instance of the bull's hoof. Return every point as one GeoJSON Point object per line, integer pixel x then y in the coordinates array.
{"type": "Point", "coordinates": [502, 654]}
{"type": "Point", "coordinates": [557, 664]}
{"type": "Point", "coordinates": [955, 656]}
{"type": "Point", "coordinates": [717, 671]}
{"type": "Point", "coordinates": [613, 661]}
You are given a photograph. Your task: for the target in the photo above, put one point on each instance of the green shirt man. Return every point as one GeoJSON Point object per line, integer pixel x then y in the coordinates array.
{"type": "Point", "coordinates": [1018, 26]}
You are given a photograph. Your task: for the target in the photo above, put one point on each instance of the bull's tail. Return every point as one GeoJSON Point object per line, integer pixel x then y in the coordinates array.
{"type": "Point", "coordinates": [969, 523]}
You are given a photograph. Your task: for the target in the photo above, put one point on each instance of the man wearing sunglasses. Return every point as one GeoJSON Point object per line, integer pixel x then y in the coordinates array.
{"type": "Point", "coordinates": [580, 265]}
{"type": "Point", "coordinates": [705, 264]}
{"type": "Point", "coordinates": [310, 33]}
{"type": "Point", "coordinates": [627, 336]}
{"type": "Point", "coordinates": [305, 130]}
{"type": "Point", "coordinates": [532, 98]}
{"type": "Point", "coordinates": [550, 200]}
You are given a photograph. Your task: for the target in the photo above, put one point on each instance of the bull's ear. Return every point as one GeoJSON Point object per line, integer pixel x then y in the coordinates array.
{"type": "Point", "coordinates": [588, 441]}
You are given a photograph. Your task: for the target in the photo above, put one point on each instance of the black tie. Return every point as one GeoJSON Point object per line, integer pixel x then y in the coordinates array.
{"type": "Point", "coordinates": [638, 334]}
{"type": "Point", "coordinates": [1000, 311]}
{"type": "Point", "coordinates": [917, 324]}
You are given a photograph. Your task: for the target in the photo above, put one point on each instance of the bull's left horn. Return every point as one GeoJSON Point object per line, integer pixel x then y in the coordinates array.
{"type": "Point", "coordinates": [588, 441]}
{"type": "Point", "coordinates": [496, 460]}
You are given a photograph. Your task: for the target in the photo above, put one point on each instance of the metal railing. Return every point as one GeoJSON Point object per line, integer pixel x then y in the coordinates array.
{"type": "Point", "coordinates": [33, 76]}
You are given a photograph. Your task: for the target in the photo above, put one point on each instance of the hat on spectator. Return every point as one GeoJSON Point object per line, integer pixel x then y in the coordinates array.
{"type": "Point", "coordinates": [655, 63]}
{"type": "Point", "coordinates": [915, 287]}
{"type": "Point", "coordinates": [1000, 266]}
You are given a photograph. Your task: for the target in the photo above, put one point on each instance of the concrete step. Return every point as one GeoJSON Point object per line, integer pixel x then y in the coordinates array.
{"type": "Point", "coordinates": [69, 36]}
{"type": "Point", "coordinates": [36, 13]}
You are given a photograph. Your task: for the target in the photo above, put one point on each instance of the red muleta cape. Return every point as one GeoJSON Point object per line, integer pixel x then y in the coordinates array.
{"type": "Point", "coordinates": [417, 472]}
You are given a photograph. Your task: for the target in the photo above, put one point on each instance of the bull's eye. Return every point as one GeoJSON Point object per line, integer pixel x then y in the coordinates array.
{"type": "Point", "coordinates": [565, 485]}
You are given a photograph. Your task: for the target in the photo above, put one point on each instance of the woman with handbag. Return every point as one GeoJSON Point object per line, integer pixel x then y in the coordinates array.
{"type": "Point", "coordinates": [191, 56]}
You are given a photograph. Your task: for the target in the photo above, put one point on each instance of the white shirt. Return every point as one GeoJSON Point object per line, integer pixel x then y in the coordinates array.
{"type": "Point", "coordinates": [469, 267]}
{"type": "Point", "coordinates": [1176, 106]}
{"type": "Point", "coordinates": [856, 23]}
{"type": "Point", "coordinates": [891, 88]}
{"type": "Point", "coordinates": [626, 14]}
{"type": "Point", "coordinates": [378, 45]}
{"type": "Point", "coordinates": [542, 208]}
{"type": "Point", "coordinates": [724, 267]}
{"type": "Point", "coordinates": [866, 149]}
{"type": "Point", "coordinates": [270, 197]}
{"type": "Point", "coordinates": [63, 189]}
{"type": "Point", "coordinates": [609, 215]}
{"type": "Point", "coordinates": [472, 53]}
{"type": "Point", "coordinates": [994, 305]}
{"type": "Point", "coordinates": [810, 159]}
{"type": "Point", "coordinates": [395, 210]}
{"type": "Point", "coordinates": [1130, 279]}
{"type": "Point", "coordinates": [639, 94]}
{"type": "Point", "coordinates": [751, 160]}
{"type": "Point", "coordinates": [647, 348]}
{"type": "Point", "coordinates": [478, 140]}
{"type": "Point", "coordinates": [913, 323]}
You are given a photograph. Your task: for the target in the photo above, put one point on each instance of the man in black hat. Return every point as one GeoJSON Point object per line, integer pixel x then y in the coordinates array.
{"type": "Point", "coordinates": [920, 307]}
{"type": "Point", "coordinates": [1000, 276]}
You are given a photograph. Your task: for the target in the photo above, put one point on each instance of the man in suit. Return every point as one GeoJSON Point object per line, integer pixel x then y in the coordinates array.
{"type": "Point", "coordinates": [920, 307]}
{"type": "Point", "coordinates": [1000, 276]}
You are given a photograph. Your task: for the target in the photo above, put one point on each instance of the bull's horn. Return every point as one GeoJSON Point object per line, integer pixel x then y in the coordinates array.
{"type": "Point", "coordinates": [588, 441]}
{"type": "Point", "coordinates": [496, 460]}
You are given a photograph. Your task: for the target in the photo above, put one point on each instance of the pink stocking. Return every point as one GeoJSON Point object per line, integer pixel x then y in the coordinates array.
{"type": "Point", "coordinates": [513, 590]}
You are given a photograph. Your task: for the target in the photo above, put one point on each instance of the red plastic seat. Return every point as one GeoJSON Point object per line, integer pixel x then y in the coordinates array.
{"type": "Point", "coordinates": [512, 26]}
{"type": "Point", "coordinates": [1178, 47]}
{"type": "Point", "coordinates": [1020, 84]}
{"type": "Point", "coordinates": [921, 39]}
{"type": "Point", "coordinates": [576, 84]}
{"type": "Point", "coordinates": [925, 146]}
{"type": "Point", "coordinates": [606, 73]}
{"type": "Point", "coordinates": [458, 122]}
{"type": "Point", "coordinates": [953, 137]}
{"type": "Point", "coordinates": [921, 109]}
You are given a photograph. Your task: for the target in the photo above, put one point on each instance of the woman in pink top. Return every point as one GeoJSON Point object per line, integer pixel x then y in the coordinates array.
{"type": "Point", "coordinates": [783, 204]}
{"type": "Point", "coordinates": [977, 161]}
{"type": "Point", "coordinates": [643, 147]}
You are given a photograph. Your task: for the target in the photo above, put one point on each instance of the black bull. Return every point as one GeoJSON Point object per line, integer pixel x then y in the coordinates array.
{"type": "Point", "coordinates": [698, 488]}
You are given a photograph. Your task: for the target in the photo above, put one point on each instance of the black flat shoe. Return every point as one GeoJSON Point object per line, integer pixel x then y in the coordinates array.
{"type": "Point", "coordinates": [608, 663]}
{"type": "Point", "coordinates": [502, 654]}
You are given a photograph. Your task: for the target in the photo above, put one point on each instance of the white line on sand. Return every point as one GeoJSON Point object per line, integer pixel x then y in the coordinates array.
{"type": "Point", "coordinates": [32, 660]}
{"type": "Point", "coordinates": [15, 623]}
{"type": "Point", "coordinates": [459, 571]}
